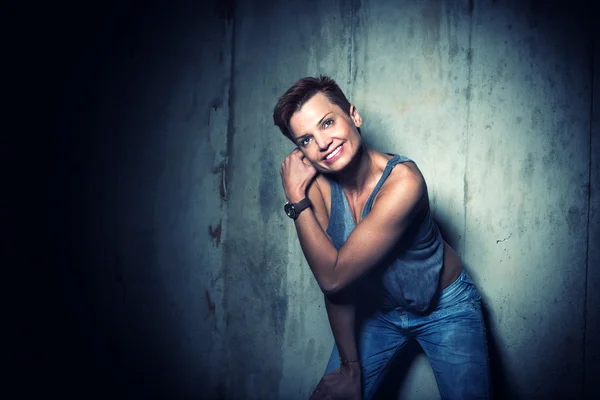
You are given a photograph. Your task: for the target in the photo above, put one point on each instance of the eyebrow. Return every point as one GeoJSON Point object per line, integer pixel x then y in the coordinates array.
{"type": "Point", "coordinates": [299, 138]}
{"type": "Point", "coordinates": [321, 120]}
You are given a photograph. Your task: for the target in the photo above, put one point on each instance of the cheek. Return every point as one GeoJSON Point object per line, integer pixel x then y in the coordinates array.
{"type": "Point", "coordinates": [307, 160]}
{"type": "Point", "coordinates": [355, 135]}
{"type": "Point", "coordinates": [308, 157]}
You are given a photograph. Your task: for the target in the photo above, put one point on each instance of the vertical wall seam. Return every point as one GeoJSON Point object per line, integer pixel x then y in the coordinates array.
{"type": "Point", "coordinates": [229, 173]}
{"type": "Point", "coordinates": [352, 51]}
{"type": "Point", "coordinates": [468, 96]}
{"type": "Point", "coordinates": [231, 94]}
{"type": "Point", "coordinates": [589, 201]}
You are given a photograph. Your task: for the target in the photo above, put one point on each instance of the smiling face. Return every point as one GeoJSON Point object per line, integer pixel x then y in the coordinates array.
{"type": "Point", "coordinates": [327, 136]}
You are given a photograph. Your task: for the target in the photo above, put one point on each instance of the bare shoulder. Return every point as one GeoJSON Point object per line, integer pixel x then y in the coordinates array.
{"type": "Point", "coordinates": [405, 183]}
{"type": "Point", "coordinates": [406, 172]}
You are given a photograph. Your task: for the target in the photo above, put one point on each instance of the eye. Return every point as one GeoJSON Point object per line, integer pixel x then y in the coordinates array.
{"type": "Point", "coordinates": [305, 141]}
{"type": "Point", "coordinates": [328, 123]}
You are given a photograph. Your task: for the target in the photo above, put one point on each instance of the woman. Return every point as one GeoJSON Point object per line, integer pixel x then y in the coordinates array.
{"type": "Point", "coordinates": [364, 225]}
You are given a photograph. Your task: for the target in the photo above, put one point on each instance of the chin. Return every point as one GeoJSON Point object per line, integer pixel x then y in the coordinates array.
{"type": "Point", "coordinates": [336, 166]}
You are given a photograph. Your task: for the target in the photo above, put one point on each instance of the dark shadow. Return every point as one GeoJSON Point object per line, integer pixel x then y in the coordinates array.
{"type": "Point", "coordinates": [500, 384]}
{"type": "Point", "coordinates": [396, 372]}
{"type": "Point", "coordinates": [394, 380]}
{"type": "Point", "coordinates": [499, 378]}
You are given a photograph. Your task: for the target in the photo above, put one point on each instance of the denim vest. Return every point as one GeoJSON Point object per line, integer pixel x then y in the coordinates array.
{"type": "Point", "coordinates": [408, 277]}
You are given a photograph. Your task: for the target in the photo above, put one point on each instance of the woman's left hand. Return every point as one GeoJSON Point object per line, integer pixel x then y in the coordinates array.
{"type": "Point", "coordinates": [296, 174]}
{"type": "Point", "coordinates": [338, 386]}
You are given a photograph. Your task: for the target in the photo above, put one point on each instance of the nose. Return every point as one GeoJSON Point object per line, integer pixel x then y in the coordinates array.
{"type": "Point", "coordinates": [323, 141]}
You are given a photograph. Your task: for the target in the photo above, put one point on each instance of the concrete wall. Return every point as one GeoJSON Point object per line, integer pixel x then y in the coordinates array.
{"type": "Point", "coordinates": [172, 269]}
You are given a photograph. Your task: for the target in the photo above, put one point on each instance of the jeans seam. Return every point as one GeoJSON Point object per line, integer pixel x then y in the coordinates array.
{"type": "Point", "coordinates": [466, 303]}
{"type": "Point", "coordinates": [485, 342]}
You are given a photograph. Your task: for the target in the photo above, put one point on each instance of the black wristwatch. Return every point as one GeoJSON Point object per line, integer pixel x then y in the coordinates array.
{"type": "Point", "coordinates": [294, 209]}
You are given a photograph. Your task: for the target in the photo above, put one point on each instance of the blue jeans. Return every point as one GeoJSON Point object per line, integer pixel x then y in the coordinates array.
{"type": "Point", "coordinates": [452, 335]}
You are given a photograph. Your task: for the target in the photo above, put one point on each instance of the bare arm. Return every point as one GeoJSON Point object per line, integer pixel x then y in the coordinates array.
{"type": "Point", "coordinates": [340, 307]}
{"type": "Point", "coordinates": [346, 382]}
{"type": "Point", "coordinates": [369, 242]}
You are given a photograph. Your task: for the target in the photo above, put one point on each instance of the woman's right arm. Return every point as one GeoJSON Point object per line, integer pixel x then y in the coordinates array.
{"type": "Point", "coordinates": [340, 308]}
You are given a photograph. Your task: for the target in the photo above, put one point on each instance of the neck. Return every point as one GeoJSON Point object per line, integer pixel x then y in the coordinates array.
{"type": "Point", "coordinates": [357, 176]}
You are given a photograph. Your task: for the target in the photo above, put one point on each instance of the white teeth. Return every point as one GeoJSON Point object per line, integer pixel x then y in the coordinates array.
{"type": "Point", "coordinates": [333, 153]}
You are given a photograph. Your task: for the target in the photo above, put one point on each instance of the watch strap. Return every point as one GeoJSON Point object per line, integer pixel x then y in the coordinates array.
{"type": "Point", "coordinates": [294, 209]}
{"type": "Point", "coordinates": [301, 205]}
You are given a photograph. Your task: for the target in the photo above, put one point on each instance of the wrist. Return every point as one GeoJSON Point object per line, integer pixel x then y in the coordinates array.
{"type": "Point", "coordinates": [293, 209]}
{"type": "Point", "coordinates": [296, 197]}
{"type": "Point", "coordinates": [350, 368]}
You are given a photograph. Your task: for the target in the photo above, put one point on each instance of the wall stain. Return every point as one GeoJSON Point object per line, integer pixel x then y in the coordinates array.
{"type": "Point", "coordinates": [507, 175]}
{"type": "Point", "coordinates": [536, 118]}
{"type": "Point", "coordinates": [452, 26]}
{"type": "Point", "coordinates": [431, 34]}
{"type": "Point", "coordinates": [528, 168]}
{"type": "Point", "coordinates": [349, 10]}
{"type": "Point", "coordinates": [432, 20]}
{"type": "Point", "coordinates": [500, 68]}
{"type": "Point", "coordinates": [221, 170]}
{"type": "Point", "coordinates": [216, 103]}
{"type": "Point", "coordinates": [309, 353]}
{"type": "Point", "coordinates": [468, 91]}
{"type": "Point", "coordinates": [504, 240]}
{"type": "Point", "coordinates": [215, 233]}
{"type": "Point", "coordinates": [223, 184]}
{"type": "Point", "coordinates": [466, 196]}
{"type": "Point", "coordinates": [574, 219]}
{"type": "Point", "coordinates": [268, 185]}
{"type": "Point", "coordinates": [209, 303]}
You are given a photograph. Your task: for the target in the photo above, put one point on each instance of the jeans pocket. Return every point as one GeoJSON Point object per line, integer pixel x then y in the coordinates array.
{"type": "Point", "coordinates": [474, 293]}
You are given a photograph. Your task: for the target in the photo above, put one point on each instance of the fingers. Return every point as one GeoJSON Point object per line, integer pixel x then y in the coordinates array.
{"type": "Point", "coordinates": [322, 391]}
{"type": "Point", "coordinates": [294, 153]}
{"type": "Point", "coordinates": [298, 153]}
{"type": "Point", "coordinates": [318, 394]}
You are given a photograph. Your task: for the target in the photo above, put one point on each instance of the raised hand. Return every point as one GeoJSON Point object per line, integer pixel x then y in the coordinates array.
{"type": "Point", "coordinates": [296, 174]}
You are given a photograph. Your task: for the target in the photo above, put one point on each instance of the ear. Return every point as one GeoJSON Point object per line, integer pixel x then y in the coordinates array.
{"type": "Point", "coordinates": [355, 116]}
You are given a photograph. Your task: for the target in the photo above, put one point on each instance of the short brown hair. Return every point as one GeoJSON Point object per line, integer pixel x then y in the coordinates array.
{"type": "Point", "coordinates": [302, 91]}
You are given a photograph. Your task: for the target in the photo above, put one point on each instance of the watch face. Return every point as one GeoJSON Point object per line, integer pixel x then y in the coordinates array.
{"type": "Point", "coordinates": [289, 210]}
